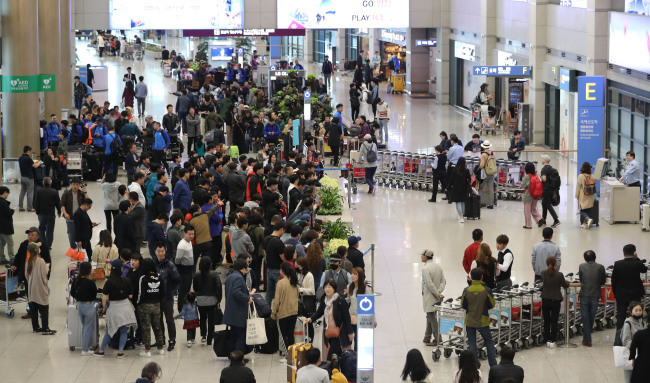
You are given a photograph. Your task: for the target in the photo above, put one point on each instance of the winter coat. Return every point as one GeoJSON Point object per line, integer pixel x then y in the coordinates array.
{"type": "Point", "coordinates": [6, 218]}
{"type": "Point", "coordinates": [584, 201]}
{"type": "Point", "coordinates": [193, 125]}
{"type": "Point", "coordinates": [459, 184]}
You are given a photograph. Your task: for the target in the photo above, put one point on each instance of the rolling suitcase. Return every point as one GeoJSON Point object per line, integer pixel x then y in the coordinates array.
{"type": "Point", "coordinates": [473, 207]}
{"type": "Point", "coordinates": [296, 356]}
{"type": "Point", "coordinates": [348, 365]}
{"type": "Point", "coordinates": [594, 213]}
{"type": "Point", "coordinates": [73, 328]}
{"type": "Point", "coordinates": [645, 217]}
{"type": "Point", "coordinates": [273, 338]}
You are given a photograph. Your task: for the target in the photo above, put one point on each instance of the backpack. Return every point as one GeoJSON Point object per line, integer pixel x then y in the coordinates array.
{"type": "Point", "coordinates": [368, 97]}
{"type": "Point", "coordinates": [590, 186]}
{"type": "Point", "coordinates": [536, 188]}
{"type": "Point", "coordinates": [391, 65]}
{"type": "Point", "coordinates": [116, 147]}
{"type": "Point", "coordinates": [211, 135]}
{"type": "Point", "coordinates": [354, 131]}
{"type": "Point", "coordinates": [371, 154]}
{"type": "Point", "coordinates": [491, 166]}
{"type": "Point", "coordinates": [553, 179]}
{"type": "Point", "coordinates": [555, 197]}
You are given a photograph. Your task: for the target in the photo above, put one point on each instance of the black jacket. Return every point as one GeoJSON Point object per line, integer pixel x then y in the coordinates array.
{"type": "Point", "coordinates": [504, 370]}
{"type": "Point", "coordinates": [137, 215]}
{"type": "Point", "coordinates": [47, 199]}
{"type": "Point", "coordinates": [157, 206]}
{"type": "Point", "coordinates": [237, 373]}
{"type": "Point", "coordinates": [459, 186]}
{"type": "Point", "coordinates": [334, 132]}
{"type": "Point", "coordinates": [355, 256]}
{"type": "Point", "coordinates": [354, 98]}
{"type": "Point", "coordinates": [21, 257]}
{"type": "Point", "coordinates": [6, 217]}
{"type": "Point", "coordinates": [626, 279]}
{"type": "Point", "coordinates": [211, 288]}
{"type": "Point", "coordinates": [124, 232]}
{"type": "Point", "coordinates": [83, 226]}
{"type": "Point", "coordinates": [236, 185]}
{"type": "Point", "coordinates": [341, 314]}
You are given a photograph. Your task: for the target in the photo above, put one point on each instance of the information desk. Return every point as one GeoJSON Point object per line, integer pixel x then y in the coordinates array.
{"type": "Point", "coordinates": [618, 203]}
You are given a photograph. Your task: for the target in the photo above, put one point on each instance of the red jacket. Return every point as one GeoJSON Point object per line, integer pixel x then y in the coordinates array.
{"type": "Point", "coordinates": [470, 255]}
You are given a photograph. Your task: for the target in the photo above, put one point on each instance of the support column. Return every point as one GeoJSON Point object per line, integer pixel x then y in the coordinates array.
{"type": "Point", "coordinates": [49, 45]}
{"type": "Point", "coordinates": [20, 58]}
{"type": "Point", "coordinates": [488, 36]}
{"type": "Point", "coordinates": [341, 50]}
{"type": "Point", "coordinates": [308, 48]}
{"type": "Point", "coordinates": [597, 37]}
{"type": "Point", "coordinates": [64, 82]}
{"type": "Point", "coordinates": [537, 36]}
{"type": "Point", "coordinates": [442, 54]}
{"type": "Point", "coordinates": [417, 62]}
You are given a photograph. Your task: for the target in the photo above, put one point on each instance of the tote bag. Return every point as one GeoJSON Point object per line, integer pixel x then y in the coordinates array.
{"type": "Point", "coordinates": [621, 358]}
{"type": "Point", "coordinates": [255, 330]}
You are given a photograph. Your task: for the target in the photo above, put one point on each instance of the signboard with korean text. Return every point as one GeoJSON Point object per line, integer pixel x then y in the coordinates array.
{"type": "Point", "coordinates": [503, 71]}
{"type": "Point", "coordinates": [591, 116]}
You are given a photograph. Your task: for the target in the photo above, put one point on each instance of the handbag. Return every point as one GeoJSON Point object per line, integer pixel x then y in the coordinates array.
{"type": "Point", "coordinates": [332, 332]}
{"type": "Point", "coordinates": [99, 274]}
{"type": "Point", "coordinates": [255, 328]}
{"type": "Point", "coordinates": [75, 255]}
{"type": "Point", "coordinates": [262, 307]}
{"type": "Point", "coordinates": [221, 343]}
{"type": "Point", "coordinates": [307, 305]}
{"type": "Point", "coordinates": [622, 358]}
{"type": "Point", "coordinates": [218, 318]}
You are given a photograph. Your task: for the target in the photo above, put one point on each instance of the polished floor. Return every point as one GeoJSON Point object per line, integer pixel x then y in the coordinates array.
{"type": "Point", "coordinates": [400, 222]}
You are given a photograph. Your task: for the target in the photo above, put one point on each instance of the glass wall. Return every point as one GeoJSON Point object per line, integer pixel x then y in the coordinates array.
{"type": "Point", "coordinates": [293, 48]}
{"type": "Point", "coordinates": [322, 41]}
{"type": "Point", "coordinates": [628, 120]}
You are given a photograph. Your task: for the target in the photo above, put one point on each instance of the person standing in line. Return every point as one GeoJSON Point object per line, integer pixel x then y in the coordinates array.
{"type": "Point", "coordinates": [285, 303]}
{"type": "Point", "coordinates": [633, 173]}
{"type": "Point", "coordinates": [110, 187]}
{"type": "Point", "coordinates": [193, 122]}
{"type": "Point", "coordinates": [38, 290]}
{"type": "Point", "coordinates": [6, 227]}
{"type": "Point", "coordinates": [326, 70]}
{"type": "Point", "coordinates": [459, 187]}
{"type": "Point", "coordinates": [553, 280]}
{"type": "Point", "coordinates": [585, 199]}
{"type": "Point", "coordinates": [47, 200]}
{"type": "Point", "coordinates": [634, 323]}
{"type": "Point", "coordinates": [368, 157]}
{"type": "Point", "coordinates": [84, 291]}
{"type": "Point", "coordinates": [550, 181]}
{"type": "Point", "coordinates": [184, 261]}
{"type": "Point", "coordinates": [274, 257]}
{"type": "Point", "coordinates": [592, 277]}
{"type": "Point", "coordinates": [71, 199]}
{"type": "Point", "coordinates": [27, 166]}
{"type": "Point", "coordinates": [433, 284]}
{"type": "Point", "coordinates": [626, 282]}
{"type": "Point", "coordinates": [141, 92]}
{"type": "Point", "coordinates": [137, 214]}
{"type": "Point", "coordinates": [505, 259]}
{"type": "Point", "coordinates": [207, 287]}
{"type": "Point", "coordinates": [237, 301]}
{"type": "Point", "coordinates": [543, 250]}
{"type": "Point", "coordinates": [169, 279]}
{"type": "Point", "coordinates": [477, 300]}
{"type": "Point", "coordinates": [84, 227]}
{"type": "Point", "coordinates": [439, 172]}
{"type": "Point", "coordinates": [150, 293]}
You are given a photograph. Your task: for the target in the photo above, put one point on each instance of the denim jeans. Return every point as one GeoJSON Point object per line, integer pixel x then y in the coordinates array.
{"type": "Point", "coordinates": [383, 131]}
{"type": "Point", "coordinates": [584, 215]}
{"type": "Point", "coordinates": [141, 105]}
{"type": "Point", "coordinates": [122, 332]}
{"type": "Point", "coordinates": [460, 208]}
{"type": "Point", "coordinates": [273, 276]}
{"type": "Point", "coordinates": [588, 307]}
{"type": "Point", "coordinates": [77, 103]}
{"type": "Point", "coordinates": [87, 314]}
{"type": "Point", "coordinates": [71, 234]}
{"type": "Point", "coordinates": [46, 228]}
{"type": "Point", "coordinates": [370, 178]}
{"type": "Point", "coordinates": [26, 187]}
{"type": "Point", "coordinates": [487, 339]}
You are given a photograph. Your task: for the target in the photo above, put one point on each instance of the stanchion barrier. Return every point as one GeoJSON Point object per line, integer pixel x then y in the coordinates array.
{"type": "Point", "coordinates": [567, 344]}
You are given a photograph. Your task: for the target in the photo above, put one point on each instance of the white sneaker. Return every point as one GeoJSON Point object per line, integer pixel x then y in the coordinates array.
{"type": "Point", "coordinates": [551, 345]}
{"type": "Point", "coordinates": [462, 220]}
{"type": "Point", "coordinates": [589, 222]}
{"type": "Point", "coordinates": [159, 351]}
{"type": "Point", "coordinates": [584, 226]}
{"type": "Point", "coordinates": [86, 353]}
{"type": "Point", "coordinates": [145, 354]}
{"type": "Point", "coordinates": [189, 343]}
{"type": "Point", "coordinates": [204, 340]}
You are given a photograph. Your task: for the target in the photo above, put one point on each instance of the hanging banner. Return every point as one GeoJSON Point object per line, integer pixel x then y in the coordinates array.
{"type": "Point", "coordinates": [591, 116]}
{"type": "Point", "coordinates": [29, 84]}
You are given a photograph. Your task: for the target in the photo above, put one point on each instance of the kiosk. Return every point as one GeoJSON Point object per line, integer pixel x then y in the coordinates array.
{"type": "Point", "coordinates": [366, 338]}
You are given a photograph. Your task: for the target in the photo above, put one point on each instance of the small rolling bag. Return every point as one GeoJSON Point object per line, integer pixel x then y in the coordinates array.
{"type": "Point", "coordinates": [296, 356]}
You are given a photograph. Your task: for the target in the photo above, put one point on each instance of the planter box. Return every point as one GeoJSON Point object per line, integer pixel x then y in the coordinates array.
{"type": "Point", "coordinates": [346, 213]}
{"type": "Point", "coordinates": [153, 54]}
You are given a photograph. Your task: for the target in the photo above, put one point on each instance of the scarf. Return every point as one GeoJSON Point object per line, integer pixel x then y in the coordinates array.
{"type": "Point", "coordinates": [329, 312]}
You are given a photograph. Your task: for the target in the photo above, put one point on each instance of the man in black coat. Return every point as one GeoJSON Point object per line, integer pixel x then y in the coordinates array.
{"type": "Point", "coordinates": [84, 226]}
{"type": "Point", "coordinates": [237, 371]}
{"type": "Point", "coordinates": [6, 227]}
{"type": "Point", "coordinates": [626, 282]}
{"type": "Point", "coordinates": [354, 254]}
{"type": "Point", "coordinates": [506, 369]}
{"type": "Point", "coordinates": [355, 103]}
{"type": "Point", "coordinates": [333, 131]}
{"type": "Point", "coordinates": [235, 182]}
{"type": "Point", "coordinates": [47, 200]}
{"type": "Point", "coordinates": [124, 228]}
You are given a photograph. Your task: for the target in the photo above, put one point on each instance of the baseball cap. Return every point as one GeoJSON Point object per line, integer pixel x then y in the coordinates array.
{"type": "Point", "coordinates": [353, 240]}
{"type": "Point", "coordinates": [32, 229]}
{"type": "Point", "coordinates": [335, 258]}
{"type": "Point", "coordinates": [305, 217]}
{"type": "Point", "coordinates": [117, 265]}
{"type": "Point", "coordinates": [33, 246]}
{"type": "Point", "coordinates": [428, 253]}
{"type": "Point", "coordinates": [148, 116]}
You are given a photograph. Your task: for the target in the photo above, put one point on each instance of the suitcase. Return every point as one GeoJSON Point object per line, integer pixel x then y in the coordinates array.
{"type": "Point", "coordinates": [594, 213]}
{"type": "Point", "coordinates": [645, 217]}
{"type": "Point", "coordinates": [73, 327]}
{"type": "Point", "coordinates": [348, 365]}
{"type": "Point", "coordinates": [273, 338]}
{"type": "Point", "coordinates": [167, 70]}
{"type": "Point", "coordinates": [296, 356]}
{"type": "Point", "coordinates": [472, 207]}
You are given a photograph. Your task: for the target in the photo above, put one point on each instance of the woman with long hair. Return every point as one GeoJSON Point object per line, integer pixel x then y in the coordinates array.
{"type": "Point", "coordinates": [633, 323]}
{"type": "Point", "coordinates": [467, 371]}
{"type": "Point", "coordinates": [106, 252]}
{"type": "Point", "coordinates": [307, 291]}
{"type": "Point", "coordinates": [359, 286]}
{"type": "Point", "coordinates": [207, 287]}
{"type": "Point", "coordinates": [415, 369]}
{"type": "Point", "coordinates": [84, 291]}
{"type": "Point", "coordinates": [459, 187]}
{"type": "Point", "coordinates": [128, 94]}
{"type": "Point", "coordinates": [486, 262]}
{"type": "Point", "coordinates": [38, 289]}
{"type": "Point", "coordinates": [553, 281]}
{"type": "Point", "coordinates": [585, 201]}
{"type": "Point", "coordinates": [117, 307]}
{"type": "Point", "coordinates": [110, 187]}
{"type": "Point", "coordinates": [239, 134]}
{"type": "Point", "coordinates": [530, 202]}
{"type": "Point", "coordinates": [315, 261]}
{"type": "Point", "coordinates": [285, 303]}
{"type": "Point", "coordinates": [290, 255]}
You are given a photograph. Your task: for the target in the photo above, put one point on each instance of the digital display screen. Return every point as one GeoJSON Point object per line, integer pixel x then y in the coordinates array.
{"type": "Point", "coordinates": [174, 14]}
{"type": "Point", "coordinates": [640, 7]}
{"type": "Point", "coordinates": [365, 355]}
{"type": "Point", "coordinates": [221, 53]}
{"type": "Point", "coordinates": [629, 42]}
{"type": "Point", "coordinates": [328, 14]}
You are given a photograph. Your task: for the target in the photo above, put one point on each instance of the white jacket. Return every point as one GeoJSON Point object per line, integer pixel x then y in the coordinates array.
{"type": "Point", "coordinates": [383, 110]}
{"type": "Point", "coordinates": [433, 284]}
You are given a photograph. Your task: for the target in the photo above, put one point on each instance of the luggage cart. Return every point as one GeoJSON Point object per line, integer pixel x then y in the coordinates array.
{"type": "Point", "coordinates": [428, 172]}
{"type": "Point", "coordinates": [408, 167]}
{"type": "Point", "coordinates": [451, 324]}
{"type": "Point", "coordinates": [531, 317]}
{"type": "Point", "coordinates": [358, 174]}
{"type": "Point", "coordinates": [421, 182]}
{"type": "Point", "coordinates": [75, 158]}
{"type": "Point", "coordinates": [138, 52]}
{"type": "Point", "coordinates": [380, 166]}
{"type": "Point", "coordinates": [384, 170]}
{"type": "Point", "coordinates": [399, 174]}
{"type": "Point", "coordinates": [392, 169]}
{"type": "Point", "coordinates": [14, 292]}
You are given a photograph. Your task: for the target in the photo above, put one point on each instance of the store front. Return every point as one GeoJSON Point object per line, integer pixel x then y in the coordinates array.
{"type": "Point", "coordinates": [392, 42]}
{"type": "Point", "coordinates": [323, 43]}
{"type": "Point", "coordinates": [356, 40]}
{"type": "Point", "coordinates": [464, 85]}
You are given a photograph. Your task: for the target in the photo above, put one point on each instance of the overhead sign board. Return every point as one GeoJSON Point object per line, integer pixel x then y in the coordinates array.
{"type": "Point", "coordinates": [174, 14]}
{"type": "Point", "coordinates": [465, 51]}
{"type": "Point", "coordinates": [591, 117]}
{"type": "Point", "coordinates": [503, 71]}
{"type": "Point", "coordinates": [330, 14]}
{"type": "Point", "coordinates": [426, 43]}
{"type": "Point", "coordinates": [28, 84]}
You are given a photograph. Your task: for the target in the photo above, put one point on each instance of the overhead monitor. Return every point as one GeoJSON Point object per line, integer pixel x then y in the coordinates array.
{"type": "Point", "coordinates": [174, 14]}
{"type": "Point", "coordinates": [221, 53]}
{"type": "Point", "coordinates": [629, 45]}
{"type": "Point", "coordinates": [331, 14]}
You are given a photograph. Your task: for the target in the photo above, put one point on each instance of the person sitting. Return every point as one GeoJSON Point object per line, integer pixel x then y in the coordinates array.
{"type": "Point", "coordinates": [506, 369]}
{"type": "Point", "coordinates": [237, 372]}
{"type": "Point", "coordinates": [311, 373]}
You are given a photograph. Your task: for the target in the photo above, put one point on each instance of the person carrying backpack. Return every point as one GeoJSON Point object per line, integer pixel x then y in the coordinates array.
{"type": "Point", "coordinates": [533, 191]}
{"type": "Point", "coordinates": [488, 167]}
{"type": "Point", "coordinates": [551, 184]}
{"type": "Point", "coordinates": [368, 158]}
{"type": "Point", "coordinates": [585, 194]}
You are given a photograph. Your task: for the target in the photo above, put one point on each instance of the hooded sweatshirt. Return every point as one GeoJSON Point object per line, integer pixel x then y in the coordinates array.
{"type": "Point", "coordinates": [241, 243]}
{"type": "Point", "coordinates": [628, 331]}
{"type": "Point", "coordinates": [111, 195]}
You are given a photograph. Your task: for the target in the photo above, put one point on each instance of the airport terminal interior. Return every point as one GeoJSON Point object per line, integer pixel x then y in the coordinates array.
{"type": "Point", "coordinates": [539, 51]}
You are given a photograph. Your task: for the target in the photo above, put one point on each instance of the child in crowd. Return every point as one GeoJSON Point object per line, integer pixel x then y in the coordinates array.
{"type": "Point", "coordinates": [190, 313]}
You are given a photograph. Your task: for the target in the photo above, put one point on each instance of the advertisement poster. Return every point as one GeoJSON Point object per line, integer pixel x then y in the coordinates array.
{"type": "Point", "coordinates": [640, 7]}
{"type": "Point", "coordinates": [330, 14]}
{"type": "Point", "coordinates": [173, 14]}
{"type": "Point", "coordinates": [452, 322]}
{"type": "Point", "coordinates": [629, 41]}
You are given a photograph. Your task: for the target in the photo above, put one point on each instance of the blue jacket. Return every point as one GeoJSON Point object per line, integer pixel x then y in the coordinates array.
{"type": "Point", "coordinates": [189, 312]}
{"type": "Point", "coordinates": [242, 76]}
{"type": "Point", "coordinates": [215, 220]}
{"type": "Point", "coordinates": [108, 140]}
{"type": "Point", "coordinates": [98, 142]}
{"type": "Point", "coordinates": [155, 234]}
{"type": "Point", "coordinates": [182, 196]}
{"type": "Point", "coordinates": [230, 74]}
{"type": "Point", "coordinates": [160, 140]}
{"type": "Point", "coordinates": [53, 130]}
{"type": "Point", "coordinates": [268, 128]}
{"type": "Point", "coordinates": [237, 297]}
{"type": "Point", "coordinates": [338, 114]}
{"type": "Point", "coordinates": [150, 185]}
{"type": "Point", "coordinates": [167, 200]}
